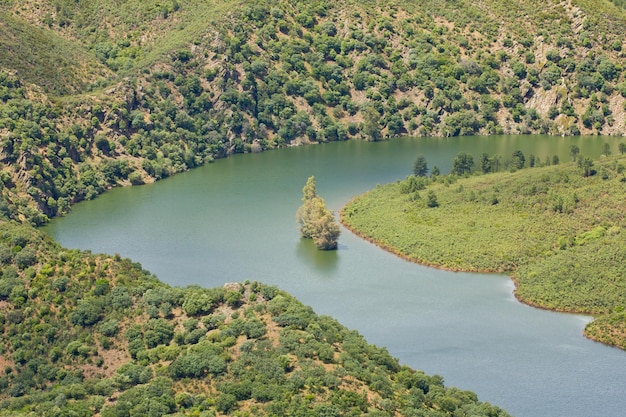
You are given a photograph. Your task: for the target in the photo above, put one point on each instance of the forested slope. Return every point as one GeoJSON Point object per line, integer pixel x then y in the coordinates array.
{"type": "Point", "coordinates": [94, 95]}
{"type": "Point", "coordinates": [84, 334]}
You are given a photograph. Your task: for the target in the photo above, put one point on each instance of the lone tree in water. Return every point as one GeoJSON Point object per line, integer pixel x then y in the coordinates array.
{"type": "Point", "coordinates": [316, 221]}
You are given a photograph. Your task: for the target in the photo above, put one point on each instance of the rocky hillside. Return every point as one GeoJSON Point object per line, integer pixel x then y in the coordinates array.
{"type": "Point", "coordinates": [94, 95]}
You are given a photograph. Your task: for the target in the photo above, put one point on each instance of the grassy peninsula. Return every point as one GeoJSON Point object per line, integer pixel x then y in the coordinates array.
{"type": "Point", "coordinates": [557, 230]}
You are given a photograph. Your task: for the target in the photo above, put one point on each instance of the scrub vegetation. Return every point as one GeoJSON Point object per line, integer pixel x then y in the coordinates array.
{"type": "Point", "coordinates": [98, 94]}
{"type": "Point", "coordinates": [84, 334]}
{"type": "Point", "coordinates": [558, 230]}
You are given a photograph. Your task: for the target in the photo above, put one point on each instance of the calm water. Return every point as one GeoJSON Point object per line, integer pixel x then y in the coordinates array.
{"type": "Point", "coordinates": [235, 220]}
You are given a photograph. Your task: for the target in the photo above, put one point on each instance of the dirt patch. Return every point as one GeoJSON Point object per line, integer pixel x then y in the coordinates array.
{"type": "Point", "coordinates": [113, 359]}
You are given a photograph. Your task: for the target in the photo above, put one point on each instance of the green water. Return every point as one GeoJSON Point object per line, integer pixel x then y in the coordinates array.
{"type": "Point", "coordinates": [235, 220]}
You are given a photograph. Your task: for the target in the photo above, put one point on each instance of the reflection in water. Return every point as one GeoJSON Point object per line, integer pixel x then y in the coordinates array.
{"type": "Point", "coordinates": [322, 261]}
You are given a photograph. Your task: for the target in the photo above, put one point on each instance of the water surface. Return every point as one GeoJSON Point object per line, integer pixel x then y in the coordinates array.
{"type": "Point", "coordinates": [235, 220]}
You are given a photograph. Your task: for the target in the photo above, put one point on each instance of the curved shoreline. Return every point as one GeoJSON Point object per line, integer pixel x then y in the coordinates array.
{"type": "Point", "coordinates": [394, 251]}
{"type": "Point", "coordinates": [401, 255]}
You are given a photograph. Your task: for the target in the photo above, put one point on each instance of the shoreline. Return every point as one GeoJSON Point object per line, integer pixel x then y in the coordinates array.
{"type": "Point", "coordinates": [509, 274]}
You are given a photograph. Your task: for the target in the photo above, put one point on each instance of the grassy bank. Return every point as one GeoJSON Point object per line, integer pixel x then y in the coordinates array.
{"type": "Point", "coordinates": [558, 233]}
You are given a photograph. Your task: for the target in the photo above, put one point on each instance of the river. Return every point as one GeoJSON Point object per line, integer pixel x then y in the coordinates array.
{"type": "Point", "coordinates": [234, 220]}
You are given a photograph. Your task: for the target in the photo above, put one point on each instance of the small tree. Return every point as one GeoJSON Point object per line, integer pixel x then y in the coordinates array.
{"type": "Point", "coordinates": [327, 232]}
{"type": "Point", "coordinates": [420, 167]}
{"type": "Point", "coordinates": [574, 151]}
{"type": "Point", "coordinates": [622, 148]}
{"type": "Point", "coordinates": [585, 163]}
{"type": "Point", "coordinates": [316, 221]}
{"type": "Point", "coordinates": [431, 199]}
{"type": "Point", "coordinates": [306, 213]}
{"type": "Point", "coordinates": [519, 160]}
{"type": "Point", "coordinates": [485, 163]}
{"type": "Point", "coordinates": [371, 125]}
{"type": "Point", "coordinates": [462, 164]}
{"type": "Point", "coordinates": [496, 162]}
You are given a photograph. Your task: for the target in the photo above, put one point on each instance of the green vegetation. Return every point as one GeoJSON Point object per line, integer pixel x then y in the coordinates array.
{"type": "Point", "coordinates": [96, 94]}
{"type": "Point", "coordinates": [45, 59]}
{"type": "Point", "coordinates": [420, 166]}
{"type": "Point", "coordinates": [619, 3]}
{"type": "Point", "coordinates": [316, 221]}
{"type": "Point", "coordinates": [559, 230]}
{"type": "Point", "coordinates": [86, 334]}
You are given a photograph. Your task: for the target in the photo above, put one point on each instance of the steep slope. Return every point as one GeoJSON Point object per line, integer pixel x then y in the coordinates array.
{"type": "Point", "coordinates": [46, 60]}
{"type": "Point", "coordinates": [187, 82]}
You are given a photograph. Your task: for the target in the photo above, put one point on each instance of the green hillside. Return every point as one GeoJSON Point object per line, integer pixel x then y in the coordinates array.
{"type": "Point", "coordinates": [136, 91]}
{"type": "Point", "coordinates": [84, 334]}
{"type": "Point", "coordinates": [98, 94]}
{"type": "Point", "coordinates": [46, 60]}
{"type": "Point", "coordinates": [559, 230]}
